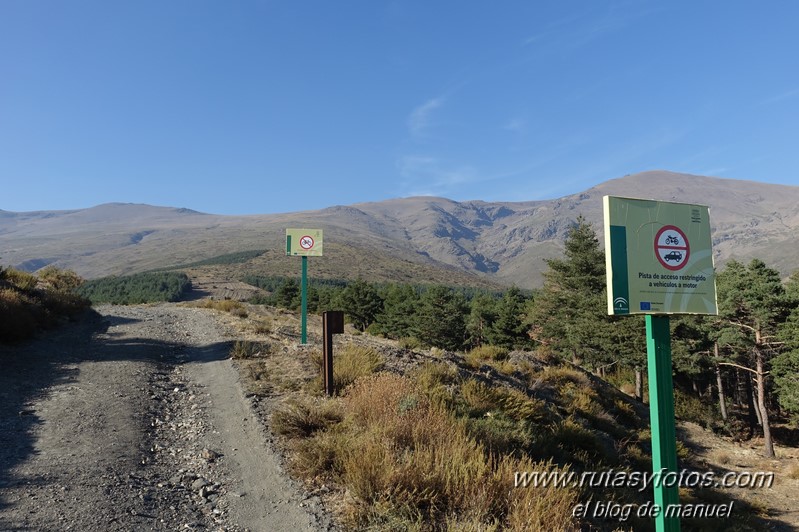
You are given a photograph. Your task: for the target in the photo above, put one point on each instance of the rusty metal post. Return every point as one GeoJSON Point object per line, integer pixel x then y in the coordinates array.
{"type": "Point", "coordinates": [332, 323]}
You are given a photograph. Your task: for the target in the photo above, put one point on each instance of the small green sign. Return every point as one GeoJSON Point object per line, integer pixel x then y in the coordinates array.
{"type": "Point", "coordinates": [659, 257]}
{"type": "Point", "coordinates": [304, 242]}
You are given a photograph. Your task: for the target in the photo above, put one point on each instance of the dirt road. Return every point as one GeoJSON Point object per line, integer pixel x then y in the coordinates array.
{"type": "Point", "coordinates": [134, 419]}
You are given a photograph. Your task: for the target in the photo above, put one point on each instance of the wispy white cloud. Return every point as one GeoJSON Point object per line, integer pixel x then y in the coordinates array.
{"type": "Point", "coordinates": [781, 97]}
{"type": "Point", "coordinates": [420, 118]}
{"type": "Point", "coordinates": [705, 162]}
{"type": "Point", "coordinates": [425, 175]}
{"type": "Point", "coordinates": [430, 176]}
{"type": "Point", "coordinates": [582, 28]}
{"type": "Point", "coordinates": [638, 153]}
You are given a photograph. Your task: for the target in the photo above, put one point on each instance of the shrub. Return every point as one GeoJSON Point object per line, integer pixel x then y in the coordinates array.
{"type": "Point", "coordinates": [489, 352]}
{"type": "Point", "coordinates": [317, 455]}
{"type": "Point", "coordinates": [576, 441]}
{"type": "Point", "coordinates": [302, 419]}
{"type": "Point", "coordinates": [66, 304]}
{"type": "Point", "coordinates": [722, 457]}
{"type": "Point", "coordinates": [224, 305]}
{"type": "Point", "coordinates": [239, 312]}
{"type": "Point", "coordinates": [424, 460]}
{"type": "Point", "coordinates": [22, 281]}
{"type": "Point", "coordinates": [377, 399]}
{"type": "Point", "coordinates": [408, 463]}
{"type": "Point", "coordinates": [256, 369]}
{"type": "Point", "coordinates": [17, 320]}
{"type": "Point", "coordinates": [436, 380]}
{"type": "Point", "coordinates": [353, 362]}
{"type": "Point", "coordinates": [433, 374]}
{"type": "Point", "coordinates": [28, 303]}
{"type": "Point", "coordinates": [691, 408]}
{"type": "Point", "coordinates": [410, 342]}
{"type": "Point", "coordinates": [518, 406]}
{"type": "Point", "coordinates": [538, 509]}
{"type": "Point", "coordinates": [263, 326]}
{"type": "Point", "coordinates": [558, 376]}
{"type": "Point", "coordinates": [243, 349]}
{"type": "Point", "coordinates": [65, 281]}
{"type": "Point", "coordinates": [500, 434]}
{"type": "Point", "coordinates": [478, 397]}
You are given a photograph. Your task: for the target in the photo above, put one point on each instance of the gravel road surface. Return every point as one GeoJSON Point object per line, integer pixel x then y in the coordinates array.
{"type": "Point", "coordinates": [134, 419]}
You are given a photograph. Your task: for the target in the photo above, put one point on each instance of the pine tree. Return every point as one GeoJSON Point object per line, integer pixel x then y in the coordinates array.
{"type": "Point", "coordinates": [482, 315]}
{"type": "Point", "coordinates": [752, 303]}
{"type": "Point", "coordinates": [508, 329]}
{"type": "Point", "coordinates": [288, 295]}
{"type": "Point", "coordinates": [786, 365]}
{"type": "Point", "coordinates": [396, 320]}
{"type": "Point", "coordinates": [569, 313]}
{"type": "Point", "coordinates": [361, 303]}
{"type": "Point", "coordinates": [691, 346]}
{"type": "Point", "coordinates": [441, 319]}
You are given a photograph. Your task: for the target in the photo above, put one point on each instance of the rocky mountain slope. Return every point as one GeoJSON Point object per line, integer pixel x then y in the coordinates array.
{"type": "Point", "coordinates": [427, 238]}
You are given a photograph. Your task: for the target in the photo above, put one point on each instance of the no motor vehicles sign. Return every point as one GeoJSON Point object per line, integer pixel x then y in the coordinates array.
{"type": "Point", "coordinates": [671, 248]}
{"type": "Point", "coordinates": [659, 257]}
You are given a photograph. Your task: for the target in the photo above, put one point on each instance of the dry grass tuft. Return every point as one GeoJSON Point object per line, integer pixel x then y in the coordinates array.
{"type": "Point", "coordinates": [243, 349]}
{"type": "Point", "coordinates": [558, 376]}
{"type": "Point", "coordinates": [256, 370]}
{"type": "Point", "coordinates": [722, 458]}
{"type": "Point", "coordinates": [489, 352]}
{"type": "Point", "coordinates": [520, 407]}
{"type": "Point", "coordinates": [352, 362]}
{"type": "Point", "coordinates": [28, 302]}
{"type": "Point", "coordinates": [224, 305]}
{"type": "Point", "coordinates": [23, 281]}
{"type": "Point", "coordinates": [409, 342]}
{"type": "Point", "coordinates": [301, 419]}
{"type": "Point", "coordinates": [409, 464]}
{"type": "Point", "coordinates": [263, 326]}
{"type": "Point", "coordinates": [479, 398]}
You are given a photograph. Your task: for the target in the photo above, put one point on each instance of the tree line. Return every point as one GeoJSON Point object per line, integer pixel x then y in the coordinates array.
{"type": "Point", "coordinates": [138, 288]}
{"type": "Point", "coordinates": [746, 359]}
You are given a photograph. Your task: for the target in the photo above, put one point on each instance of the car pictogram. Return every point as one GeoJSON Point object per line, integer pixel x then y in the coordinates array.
{"type": "Point", "coordinates": [673, 256]}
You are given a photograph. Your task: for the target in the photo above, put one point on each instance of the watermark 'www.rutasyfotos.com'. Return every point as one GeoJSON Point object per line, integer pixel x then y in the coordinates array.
{"type": "Point", "coordinates": [642, 481]}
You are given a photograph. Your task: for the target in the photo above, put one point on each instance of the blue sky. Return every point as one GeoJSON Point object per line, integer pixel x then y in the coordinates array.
{"type": "Point", "coordinates": [242, 107]}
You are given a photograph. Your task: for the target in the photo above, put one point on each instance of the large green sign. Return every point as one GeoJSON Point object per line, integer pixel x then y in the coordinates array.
{"type": "Point", "coordinates": [304, 242]}
{"type": "Point", "coordinates": [659, 257]}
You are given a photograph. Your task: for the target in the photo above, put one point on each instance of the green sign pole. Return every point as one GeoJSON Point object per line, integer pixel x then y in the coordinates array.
{"type": "Point", "coordinates": [661, 415]}
{"type": "Point", "coordinates": [304, 318]}
{"type": "Point", "coordinates": [305, 243]}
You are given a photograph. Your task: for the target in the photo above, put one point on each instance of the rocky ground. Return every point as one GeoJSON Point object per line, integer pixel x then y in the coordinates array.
{"type": "Point", "coordinates": [134, 419]}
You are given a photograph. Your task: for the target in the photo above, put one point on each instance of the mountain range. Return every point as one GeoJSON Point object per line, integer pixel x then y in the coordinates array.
{"type": "Point", "coordinates": [417, 239]}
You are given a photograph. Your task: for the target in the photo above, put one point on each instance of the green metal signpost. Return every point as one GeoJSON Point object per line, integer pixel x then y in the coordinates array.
{"type": "Point", "coordinates": [305, 243]}
{"type": "Point", "coordinates": [659, 262]}
{"type": "Point", "coordinates": [661, 419]}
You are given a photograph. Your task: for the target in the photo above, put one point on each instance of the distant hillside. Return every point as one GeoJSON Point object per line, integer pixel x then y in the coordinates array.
{"type": "Point", "coordinates": [420, 239]}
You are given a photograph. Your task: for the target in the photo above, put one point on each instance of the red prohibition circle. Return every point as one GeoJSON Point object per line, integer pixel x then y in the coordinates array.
{"type": "Point", "coordinates": [302, 242]}
{"type": "Point", "coordinates": [677, 248]}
